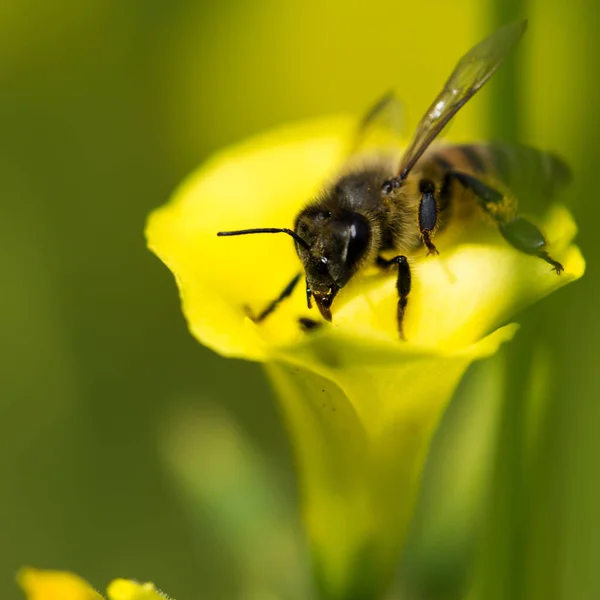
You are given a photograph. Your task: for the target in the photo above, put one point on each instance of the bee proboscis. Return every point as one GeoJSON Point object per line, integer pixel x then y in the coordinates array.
{"type": "Point", "coordinates": [369, 212]}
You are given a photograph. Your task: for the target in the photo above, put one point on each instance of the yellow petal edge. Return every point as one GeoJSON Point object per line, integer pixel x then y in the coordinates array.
{"type": "Point", "coordinates": [55, 585]}
{"type": "Point", "coordinates": [125, 589]}
{"type": "Point", "coordinates": [60, 585]}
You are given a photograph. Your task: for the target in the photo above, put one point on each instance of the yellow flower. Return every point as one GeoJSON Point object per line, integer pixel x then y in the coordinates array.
{"type": "Point", "coordinates": [60, 585]}
{"type": "Point", "coordinates": [360, 405]}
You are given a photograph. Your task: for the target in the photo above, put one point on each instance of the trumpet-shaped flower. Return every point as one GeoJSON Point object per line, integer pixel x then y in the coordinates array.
{"type": "Point", "coordinates": [60, 585]}
{"type": "Point", "coordinates": [361, 406]}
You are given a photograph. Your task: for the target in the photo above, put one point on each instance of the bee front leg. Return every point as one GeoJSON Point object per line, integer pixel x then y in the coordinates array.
{"type": "Point", "coordinates": [287, 291]}
{"type": "Point", "coordinates": [428, 210]}
{"type": "Point", "coordinates": [402, 285]}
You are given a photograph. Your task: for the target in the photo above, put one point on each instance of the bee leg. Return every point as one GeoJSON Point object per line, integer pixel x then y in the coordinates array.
{"type": "Point", "coordinates": [308, 296]}
{"type": "Point", "coordinates": [526, 237]}
{"type": "Point", "coordinates": [486, 196]}
{"type": "Point", "coordinates": [287, 291]}
{"type": "Point", "coordinates": [402, 285]}
{"type": "Point", "coordinates": [517, 231]}
{"type": "Point", "coordinates": [428, 210]}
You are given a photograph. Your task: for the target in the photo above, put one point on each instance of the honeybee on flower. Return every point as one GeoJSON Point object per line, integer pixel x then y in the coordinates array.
{"type": "Point", "coordinates": [368, 213]}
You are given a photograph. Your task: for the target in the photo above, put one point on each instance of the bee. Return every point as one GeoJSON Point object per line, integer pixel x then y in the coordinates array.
{"type": "Point", "coordinates": [378, 210]}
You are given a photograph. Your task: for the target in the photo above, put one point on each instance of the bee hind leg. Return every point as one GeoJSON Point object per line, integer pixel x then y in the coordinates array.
{"type": "Point", "coordinates": [517, 231]}
{"type": "Point", "coordinates": [402, 285]}
{"type": "Point", "coordinates": [287, 291]}
{"type": "Point", "coordinates": [526, 237]}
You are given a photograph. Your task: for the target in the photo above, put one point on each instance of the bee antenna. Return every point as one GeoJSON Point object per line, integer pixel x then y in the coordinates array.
{"type": "Point", "coordinates": [291, 233]}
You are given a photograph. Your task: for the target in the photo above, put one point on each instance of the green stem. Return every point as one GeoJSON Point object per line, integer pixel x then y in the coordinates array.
{"type": "Point", "coordinates": [505, 570]}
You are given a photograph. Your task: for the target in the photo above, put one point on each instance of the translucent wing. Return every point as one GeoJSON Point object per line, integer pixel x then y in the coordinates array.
{"type": "Point", "coordinates": [382, 125]}
{"type": "Point", "coordinates": [469, 75]}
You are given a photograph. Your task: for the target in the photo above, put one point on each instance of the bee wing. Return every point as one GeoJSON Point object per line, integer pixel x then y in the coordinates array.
{"type": "Point", "coordinates": [382, 125]}
{"type": "Point", "coordinates": [469, 75]}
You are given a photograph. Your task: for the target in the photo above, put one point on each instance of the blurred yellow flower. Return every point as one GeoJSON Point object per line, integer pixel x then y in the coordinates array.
{"type": "Point", "coordinates": [361, 406]}
{"type": "Point", "coordinates": [60, 585]}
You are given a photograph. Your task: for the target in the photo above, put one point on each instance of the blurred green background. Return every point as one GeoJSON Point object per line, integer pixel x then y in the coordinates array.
{"type": "Point", "coordinates": [126, 449]}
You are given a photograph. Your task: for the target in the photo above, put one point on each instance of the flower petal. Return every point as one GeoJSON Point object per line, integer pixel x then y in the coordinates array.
{"type": "Point", "coordinates": [55, 585]}
{"type": "Point", "coordinates": [125, 589]}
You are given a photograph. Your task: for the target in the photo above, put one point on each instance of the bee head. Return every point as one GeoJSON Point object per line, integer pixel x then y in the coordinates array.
{"type": "Point", "coordinates": [337, 241]}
